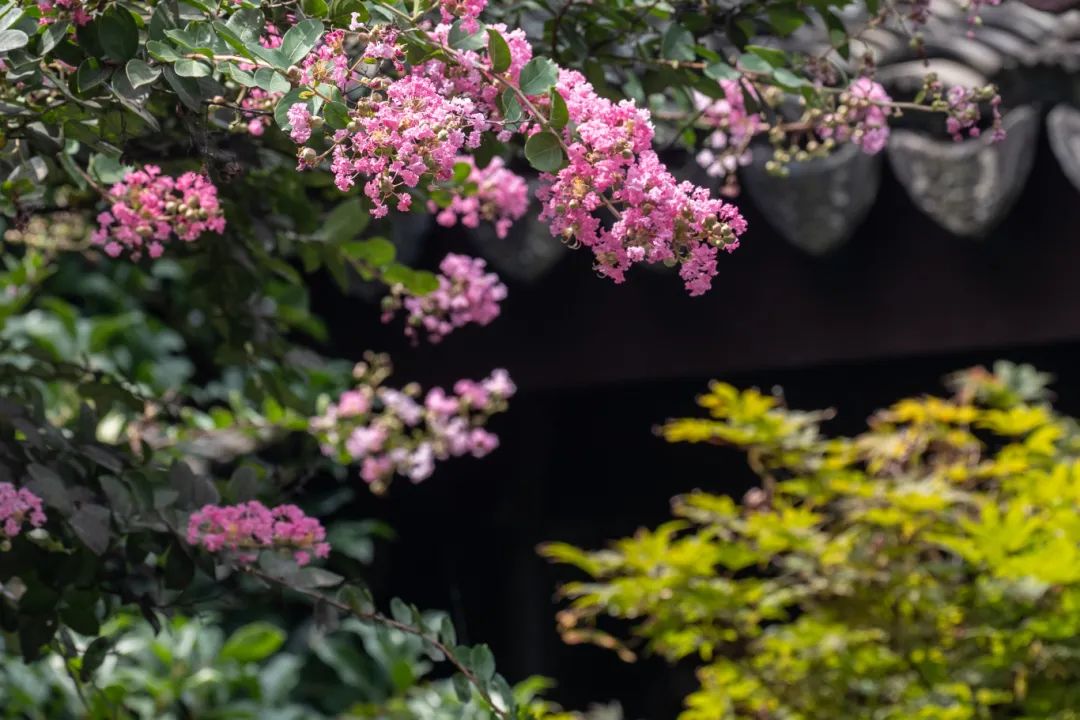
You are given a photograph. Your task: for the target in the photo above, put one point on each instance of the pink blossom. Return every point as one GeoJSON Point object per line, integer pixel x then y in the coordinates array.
{"type": "Point", "coordinates": [500, 197]}
{"type": "Point", "coordinates": [728, 145]}
{"type": "Point", "coordinates": [467, 10]}
{"type": "Point", "coordinates": [466, 294]}
{"type": "Point", "coordinates": [54, 10]}
{"type": "Point", "coordinates": [299, 122]}
{"type": "Point", "coordinates": [865, 121]}
{"type": "Point", "coordinates": [246, 528]}
{"type": "Point", "coordinates": [149, 208]}
{"type": "Point", "coordinates": [17, 507]}
{"type": "Point", "coordinates": [397, 435]}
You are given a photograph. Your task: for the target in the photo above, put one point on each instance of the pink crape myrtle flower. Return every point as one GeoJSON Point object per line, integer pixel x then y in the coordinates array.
{"type": "Point", "coordinates": [613, 196]}
{"type": "Point", "coordinates": [866, 122]}
{"type": "Point", "coordinates": [467, 294]}
{"type": "Point", "coordinates": [400, 433]}
{"type": "Point", "coordinates": [18, 507]}
{"type": "Point", "coordinates": [148, 209]}
{"type": "Point", "coordinates": [468, 11]}
{"type": "Point", "coordinates": [247, 528]}
{"type": "Point", "coordinates": [728, 145]}
{"type": "Point", "coordinates": [55, 10]}
{"type": "Point", "coordinates": [501, 197]}
{"type": "Point", "coordinates": [613, 168]}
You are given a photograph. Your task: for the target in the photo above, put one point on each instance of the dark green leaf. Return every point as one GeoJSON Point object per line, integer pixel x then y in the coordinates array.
{"type": "Point", "coordinates": [721, 71]}
{"type": "Point", "coordinates": [12, 40]}
{"type": "Point", "coordinates": [300, 39]}
{"type": "Point", "coordinates": [139, 73]}
{"type": "Point", "coordinates": [498, 51]}
{"type": "Point", "coordinates": [544, 152]}
{"type": "Point", "coordinates": [755, 64]}
{"type": "Point", "coordinates": [118, 34]}
{"type": "Point", "coordinates": [252, 643]}
{"type": "Point", "coordinates": [377, 252]}
{"type": "Point", "coordinates": [345, 222]}
{"type": "Point", "coordinates": [336, 115]}
{"type": "Point", "coordinates": [48, 485]}
{"type": "Point", "coordinates": [560, 114]}
{"type": "Point", "coordinates": [786, 20]}
{"type": "Point", "coordinates": [90, 74]}
{"type": "Point", "coordinates": [461, 39]}
{"type": "Point", "coordinates": [538, 76]}
{"type": "Point", "coordinates": [192, 68]}
{"type": "Point", "coordinates": [162, 51]}
{"type": "Point", "coordinates": [93, 657]}
{"type": "Point", "coordinates": [774, 57]}
{"type": "Point", "coordinates": [91, 525]}
{"type": "Point", "coordinates": [678, 44]}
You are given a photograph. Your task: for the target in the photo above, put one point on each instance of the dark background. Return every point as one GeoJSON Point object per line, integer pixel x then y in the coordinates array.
{"type": "Point", "coordinates": [598, 365]}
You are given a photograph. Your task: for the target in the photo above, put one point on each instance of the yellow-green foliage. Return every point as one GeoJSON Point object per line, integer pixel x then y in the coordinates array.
{"type": "Point", "coordinates": [926, 568]}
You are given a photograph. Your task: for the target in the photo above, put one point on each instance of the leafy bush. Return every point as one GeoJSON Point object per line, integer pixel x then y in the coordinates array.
{"type": "Point", "coordinates": [924, 568]}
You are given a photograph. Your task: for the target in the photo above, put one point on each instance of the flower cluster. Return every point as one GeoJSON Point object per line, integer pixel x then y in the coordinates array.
{"type": "Point", "coordinates": [467, 10]}
{"type": "Point", "coordinates": [259, 105]}
{"type": "Point", "coordinates": [732, 128]}
{"type": "Point", "coordinates": [466, 294]}
{"type": "Point", "coordinates": [494, 194]}
{"type": "Point", "coordinates": [613, 167]}
{"type": "Point", "coordinates": [148, 208]}
{"type": "Point", "coordinates": [861, 116]}
{"type": "Point", "coordinates": [247, 528]}
{"type": "Point", "coordinates": [962, 110]}
{"type": "Point", "coordinates": [18, 506]}
{"type": "Point", "coordinates": [614, 196]}
{"type": "Point", "coordinates": [389, 431]}
{"type": "Point", "coordinates": [412, 133]}
{"type": "Point", "coordinates": [57, 10]}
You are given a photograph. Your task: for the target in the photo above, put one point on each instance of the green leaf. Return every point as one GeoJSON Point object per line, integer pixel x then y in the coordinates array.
{"type": "Point", "coordinates": [252, 643]}
{"type": "Point", "coordinates": [300, 39]}
{"type": "Point", "coordinates": [538, 76]}
{"type": "Point", "coordinates": [377, 252]}
{"type": "Point", "coordinates": [511, 108]}
{"type": "Point", "coordinates": [191, 68]}
{"type": "Point", "coordinates": [12, 40]}
{"type": "Point", "coordinates": [560, 114]}
{"type": "Point", "coordinates": [786, 20]}
{"type": "Point", "coordinates": [271, 81]}
{"type": "Point", "coordinates": [483, 662]}
{"type": "Point", "coordinates": [460, 39]}
{"type": "Point", "coordinates": [341, 11]}
{"type": "Point", "coordinates": [118, 34]}
{"type": "Point", "coordinates": [754, 63]}
{"type": "Point", "coordinates": [462, 688]}
{"type": "Point", "coordinates": [544, 152]}
{"type": "Point", "coordinates": [773, 56]}
{"type": "Point", "coordinates": [47, 484]}
{"type": "Point", "coordinates": [400, 611]}
{"type": "Point", "coordinates": [139, 73]}
{"type": "Point", "coordinates": [107, 169]}
{"type": "Point", "coordinates": [93, 657]}
{"type": "Point", "coordinates": [345, 222]}
{"type": "Point", "coordinates": [162, 51]}
{"type": "Point", "coordinates": [316, 8]}
{"type": "Point", "coordinates": [90, 74]}
{"type": "Point", "coordinates": [789, 80]}
{"type": "Point", "coordinates": [336, 115]}
{"type": "Point", "coordinates": [80, 612]}
{"type": "Point", "coordinates": [721, 71]}
{"type": "Point", "coordinates": [498, 51]}
{"type": "Point", "coordinates": [678, 43]}
{"type": "Point", "coordinates": [243, 485]}
{"type": "Point", "coordinates": [91, 524]}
